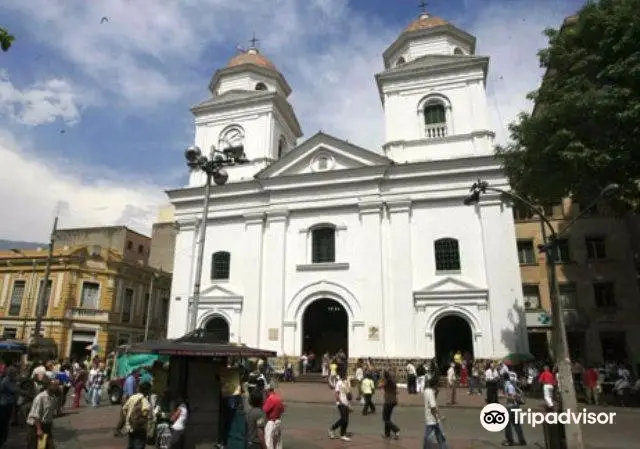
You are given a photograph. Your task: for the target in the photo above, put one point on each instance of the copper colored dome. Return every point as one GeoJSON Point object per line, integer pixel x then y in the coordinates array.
{"type": "Point", "coordinates": [251, 56]}
{"type": "Point", "coordinates": [424, 22]}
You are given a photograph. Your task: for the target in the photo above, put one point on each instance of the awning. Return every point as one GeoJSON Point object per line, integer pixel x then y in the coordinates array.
{"type": "Point", "coordinates": [13, 346]}
{"type": "Point", "coordinates": [198, 343]}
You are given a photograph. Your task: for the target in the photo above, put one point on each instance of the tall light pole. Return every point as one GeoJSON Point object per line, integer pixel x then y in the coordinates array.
{"type": "Point", "coordinates": [154, 275]}
{"type": "Point", "coordinates": [213, 167]}
{"type": "Point", "coordinates": [573, 431]}
{"type": "Point", "coordinates": [43, 292]}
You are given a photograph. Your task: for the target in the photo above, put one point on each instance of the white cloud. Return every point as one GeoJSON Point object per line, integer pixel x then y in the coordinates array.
{"type": "Point", "coordinates": [34, 189]}
{"type": "Point", "coordinates": [39, 104]}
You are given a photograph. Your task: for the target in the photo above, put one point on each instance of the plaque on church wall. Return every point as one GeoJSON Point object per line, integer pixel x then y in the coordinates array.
{"type": "Point", "coordinates": [273, 334]}
{"type": "Point", "coordinates": [374, 333]}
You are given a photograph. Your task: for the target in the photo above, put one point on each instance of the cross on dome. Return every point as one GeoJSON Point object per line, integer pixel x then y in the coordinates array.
{"type": "Point", "coordinates": [423, 6]}
{"type": "Point", "coordinates": [253, 41]}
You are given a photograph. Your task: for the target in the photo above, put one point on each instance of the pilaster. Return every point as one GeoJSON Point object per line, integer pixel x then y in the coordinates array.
{"type": "Point", "coordinates": [506, 306]}
{"type": "Point", "coordinates": [273, 277]}
{"type": "Point", "coordinates": [250, 318]}
{"type": "Point", "coordinates": [400, 338]}
{"type": "Point", "coordinates": [372, 279]}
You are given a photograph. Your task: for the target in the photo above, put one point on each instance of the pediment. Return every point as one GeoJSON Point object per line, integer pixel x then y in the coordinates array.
{"type": "Point", "coordinates": [218, 293]}
{"type": "Point", "coordinates": [323, 153]}
{"type": "Point", "coordinates": [450, 287]}
{"type": "Point", "coordinates": [432, 61]}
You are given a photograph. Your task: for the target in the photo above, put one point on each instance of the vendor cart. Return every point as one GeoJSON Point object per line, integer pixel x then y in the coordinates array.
{"type": "Point", "coordinates": [197, 367]}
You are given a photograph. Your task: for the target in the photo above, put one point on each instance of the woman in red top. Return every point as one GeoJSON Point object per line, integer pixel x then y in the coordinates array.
{"type": "Point", "coordinates": [464, 374]}
{"type": "Point", "coordinates": [590, 381]}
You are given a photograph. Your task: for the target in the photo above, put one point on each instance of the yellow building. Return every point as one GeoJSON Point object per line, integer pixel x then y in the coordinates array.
{"type": "Point", "coordinates": [598, 283]}
{"type": "Point", "coordinates": [95, 295]}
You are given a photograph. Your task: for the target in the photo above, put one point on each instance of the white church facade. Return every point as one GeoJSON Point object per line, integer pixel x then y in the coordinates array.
{"type": "Point", "coordinates": [322, 245]}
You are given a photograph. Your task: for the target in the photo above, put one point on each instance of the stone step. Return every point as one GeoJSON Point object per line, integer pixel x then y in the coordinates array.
{"type": "Point", "coordinates": [311, 378]}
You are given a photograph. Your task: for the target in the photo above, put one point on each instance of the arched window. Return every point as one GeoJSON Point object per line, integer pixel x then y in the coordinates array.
{"type": "Point", "coordinates": [261, 86]}
{"type": "Point", "coordinates": [434, 114]}
{"type": "Point", "coordinates": [220, 265]}
{"type": "Point", "coordinates": [447, 254]}
{"type": "Point", "coordinates": [231, 137]}
{"type": "Point", "coordinates": [282, 146]}
{"type": "Point", "coordinates": [458, 51]}
{"type": "Point", "coordinates": [323, 244]}
{"type": "Point", "coordinates": [400, 61]}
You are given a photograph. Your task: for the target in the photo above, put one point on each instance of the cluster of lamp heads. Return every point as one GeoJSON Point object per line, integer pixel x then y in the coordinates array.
{"type": "Point", "coordinates": [214, 164]}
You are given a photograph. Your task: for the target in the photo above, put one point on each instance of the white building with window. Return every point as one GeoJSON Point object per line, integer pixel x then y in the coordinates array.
{"type": "Point", "coordinates": [321, 244]}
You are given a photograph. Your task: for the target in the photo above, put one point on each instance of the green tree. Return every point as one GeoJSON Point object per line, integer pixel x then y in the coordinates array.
{"type": "Point", "coordinates": [6, 39]}
{"type": "Point", "coordinates": [584, 132]}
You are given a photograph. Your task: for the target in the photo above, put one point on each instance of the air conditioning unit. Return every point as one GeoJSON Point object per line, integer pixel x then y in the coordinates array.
{"type": "Point", "coordinates": [95, 251]}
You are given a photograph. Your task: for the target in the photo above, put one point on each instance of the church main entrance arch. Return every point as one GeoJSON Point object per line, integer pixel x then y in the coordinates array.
{"type": "Point", "coordinates": [452, 334]}
{"type": "Point", "coordinates": [217, 330]}
{"type": "Point", "coordinates": [325, 327]}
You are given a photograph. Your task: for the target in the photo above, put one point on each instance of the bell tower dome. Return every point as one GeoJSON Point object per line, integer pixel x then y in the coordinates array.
{"type": "Point", "coordinates": [248, 108]}
{"type": "Point", "coordinates": [433, 93]}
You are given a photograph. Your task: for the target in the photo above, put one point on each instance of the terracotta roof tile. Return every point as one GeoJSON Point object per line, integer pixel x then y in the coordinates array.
{"type": "Point", "coordinates": [251, 57]}
{"type": "Point", "coordinates": [424, 22]}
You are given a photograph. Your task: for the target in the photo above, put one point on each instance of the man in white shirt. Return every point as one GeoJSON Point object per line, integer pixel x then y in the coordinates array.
{"type": "Point", "coordinates": [342, 402]}
{"type": "Point", "coordinates": [432, 416]}
{"type": "Point", "coordinates": [491, 380]}
{"type": "Point", "coordinates": [452, 382]}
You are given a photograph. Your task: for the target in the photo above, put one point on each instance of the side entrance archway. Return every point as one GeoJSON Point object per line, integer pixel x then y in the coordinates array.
{"type": "Point", "coordinates": [452, 333]}
{"type": "Point", "coordinates": [217, 330]}
{"type": "Point", "coordinates": [325, 328]}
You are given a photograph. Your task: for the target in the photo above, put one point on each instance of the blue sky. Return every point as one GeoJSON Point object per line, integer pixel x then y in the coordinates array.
{"type": "Point", "coordinates": [96, 115]}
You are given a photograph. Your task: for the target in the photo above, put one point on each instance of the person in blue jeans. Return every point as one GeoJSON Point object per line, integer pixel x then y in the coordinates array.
{"type": "Point", "coordinates": [432, 417]}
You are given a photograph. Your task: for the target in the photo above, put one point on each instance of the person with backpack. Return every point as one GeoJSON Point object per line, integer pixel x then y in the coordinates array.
{"type": "Point", "coordinates": [135, 417]}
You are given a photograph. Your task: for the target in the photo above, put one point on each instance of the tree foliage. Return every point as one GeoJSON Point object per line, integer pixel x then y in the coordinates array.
{"type": "Point", "coordinates": [584, 132]}
{"type": "Point", "coordinates": [6, 39]}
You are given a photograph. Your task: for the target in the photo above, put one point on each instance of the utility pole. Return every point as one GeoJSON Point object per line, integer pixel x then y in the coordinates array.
{"type": "Point", "coordinates": [202, 235]}
{"type": "Point", "coordinates": [44, 291]}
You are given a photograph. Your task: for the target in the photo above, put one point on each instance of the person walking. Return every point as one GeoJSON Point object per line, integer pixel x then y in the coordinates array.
{"type": "Point", "coordinates": [590, 382]}
{"type": "Point", "coordinates": [342, 403]}
{"type": "Point", "coordinates": [547, 380]}
{"type": "Point", "coordinates": [273, 409]}
{"type": "Point", "coordinates": [96, 383]}
{"type": "Point", "coordinates": [40, 418]}
{"type": "Point", "coordinates": [421, 373]}
{"type": "Point", "coordinates": [432, 417]}
{"type": "Point", "coordinates": [390, 401]}
{"type": "Point", "coordinates": [411, 378]}
{"type": "Point", "coordinates": [513, 401]}
{"type": "Point", "coordinates": [9, 392]}
{"type": "Point", "coordinates": [452, 383]}
{"type": "Point", "coordinates": [256, 422]}
{"type": "Point", "coordinates": [491, 383]}
{"type": "Point", "coordinates": [368, 387]}
{"type": "Point", "coordinates": [179, 423]}
{"type": "Point", "coordinates": [136, 413]}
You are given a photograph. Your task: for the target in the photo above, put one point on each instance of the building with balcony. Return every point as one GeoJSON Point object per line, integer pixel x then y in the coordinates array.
{"type": "Point", "coordinates": [95, 295]}
{"type": "Point", "coordinates": [597, 279]}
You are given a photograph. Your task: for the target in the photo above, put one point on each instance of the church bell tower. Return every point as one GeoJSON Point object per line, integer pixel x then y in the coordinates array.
{"type": "Point", "coordinates": [433, 94]}
{"type": "Point", "coordinates": [248, 108]}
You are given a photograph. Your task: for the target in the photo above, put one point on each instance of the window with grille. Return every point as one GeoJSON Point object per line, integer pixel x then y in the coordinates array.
{"type": "Point", "coordinates": [526, 254]}
{"type": "Point", "coordinates": [220, 265]}
{"type": "Point", "coordinates": [604, 294]}
{"type": "Point", "coordinates": [562, 254]}
{"type": "Point", "coordinates": [531, 294]}
{"type": "Point", "coordinates": [434, 114]}
{"type": "Point", "coordinates": [90, 295]}
{"type": "Point", "coordinates": [127, 305]}
{"type": "Point", "coordinates": [447, 254]}
{"type": "Point", "coordinates": [17, 295]}
{"type": "Point", "coordinates": [596, 248]}
{"type": "Point", "coordinates": [323, 245]}
{"type": "Point", "coordinates": [568, 295]}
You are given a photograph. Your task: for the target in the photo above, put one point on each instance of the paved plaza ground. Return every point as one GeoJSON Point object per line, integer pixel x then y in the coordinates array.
{"type": "Point", "coordinates": [306, 423]}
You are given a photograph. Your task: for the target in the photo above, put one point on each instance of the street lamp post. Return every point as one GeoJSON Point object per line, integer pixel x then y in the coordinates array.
{"type": "Point", "coordinates": [43, 292]}
{"type": "Point", "coordinates": [549, 247]}
{"type": "Point", "coordinates": [213, 167]}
